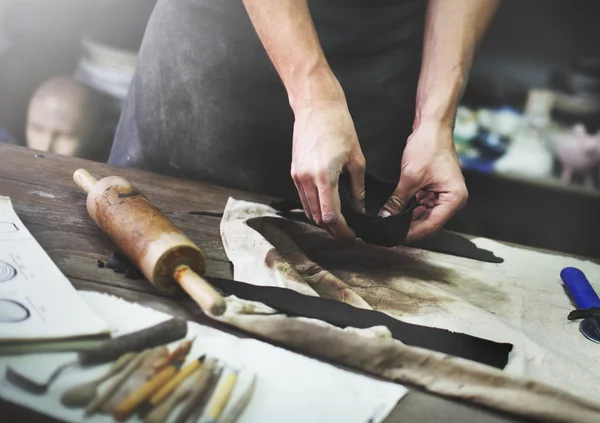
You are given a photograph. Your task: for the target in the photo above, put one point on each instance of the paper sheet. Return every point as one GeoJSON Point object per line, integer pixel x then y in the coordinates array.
{"type": "Point", "coordinates": [37, 302]}
{"type": "Point", "coordinates": [289, 387]}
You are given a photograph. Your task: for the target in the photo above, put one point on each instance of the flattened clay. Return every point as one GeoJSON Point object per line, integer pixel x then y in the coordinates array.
{"type": "Point", "coordinates": [390, 231]}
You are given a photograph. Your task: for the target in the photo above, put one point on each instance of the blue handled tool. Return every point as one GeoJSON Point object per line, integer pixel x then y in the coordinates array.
{"type": "Point", "coordinates": [586, 300]}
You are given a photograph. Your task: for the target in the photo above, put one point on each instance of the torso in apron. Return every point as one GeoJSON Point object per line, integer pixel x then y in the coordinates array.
{"type": "Point", "coordinates": [206, 102]}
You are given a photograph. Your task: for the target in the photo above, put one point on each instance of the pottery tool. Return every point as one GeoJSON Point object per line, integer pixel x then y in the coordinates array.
{"type": "Point", "coordinates": [151, 241]}
{"type": "Point", "coordinates": [172, 384]}
{"type": "Point", "coordinates": [137, 397]}
{"type": "Point", "coordinates": [203, 385]}
{"type": "Point", "coordinates": [83, 394]}
{"type": "Point", "coordinates": [100, 400]}
{"type": "Point", "coordinates": [178, 354]}
{"type": "Point", "coordinates": [220, 396]}
{"type": "Point", "coordinates": [134, 382]}
{"type": "Point", "coordinates": [586, 300]}
{"type": "Point", "coordinates": [160, 334]}
{"type": "Point", "coordinates": [160, 413]}
{"type": "Point", "coordinates": [236, 410]}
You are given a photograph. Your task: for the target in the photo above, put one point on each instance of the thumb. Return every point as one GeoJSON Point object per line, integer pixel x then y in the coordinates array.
{"type": "Point", "coordinates": [400, 198]}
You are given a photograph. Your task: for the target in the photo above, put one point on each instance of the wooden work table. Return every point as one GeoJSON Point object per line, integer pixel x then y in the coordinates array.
{"type": "Point", "coordinates": [52, 207]}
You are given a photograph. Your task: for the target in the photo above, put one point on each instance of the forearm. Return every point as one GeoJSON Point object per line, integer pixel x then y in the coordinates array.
{"type": "Point", "coordinates": [286, 29]}
{"type": "Point", "coordinates": [452, 30]}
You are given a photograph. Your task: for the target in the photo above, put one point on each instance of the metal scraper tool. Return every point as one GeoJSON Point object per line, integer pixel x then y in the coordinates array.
{"type": "Point", "coordinates": [586, 300]}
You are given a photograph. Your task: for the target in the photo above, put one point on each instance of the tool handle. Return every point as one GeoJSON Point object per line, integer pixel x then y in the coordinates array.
{"type": "Point", "coordinates": [84, 180]}
{"type": "Point", "coordinates": [579, 288]}
{"type": "Point", "coordinates": [205, 295]}
{"type": "Point", "coordinates": [135, 398]}
{"type": "Point", "coordinates": [172, 385]}
{"type": "Point", "coordinates": [161, 334]}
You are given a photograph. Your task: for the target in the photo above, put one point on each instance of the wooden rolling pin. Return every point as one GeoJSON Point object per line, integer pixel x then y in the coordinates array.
{"type": "Point", "coordinates": [151, 241]}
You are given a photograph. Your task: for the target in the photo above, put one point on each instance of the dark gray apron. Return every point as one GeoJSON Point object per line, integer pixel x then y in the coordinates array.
{"type": "Point", "coordinates": [206, 102]}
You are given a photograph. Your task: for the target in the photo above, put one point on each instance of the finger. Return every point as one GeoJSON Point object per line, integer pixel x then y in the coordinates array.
{"type": "Point", "coordinates": [425, 196]}
{"type": "Point", "coordinates": [331, 211]}
{"type": "Point", "coordinates": [422, 196]}
{"type": "Point", "coordinates": [423, 228]}
{"type": "Point", "coordinates": [420, 213]}
{"type": "Point", "coordinates": [431, 224]}
{"type": "Point", "coordinates": [312, 197]}
{"type": "Point", "coordinates": [303, 200]}
{"type": "Point", "coordinates": [407, 188]}
{"type": "Point", "coordinates": [356, 171]}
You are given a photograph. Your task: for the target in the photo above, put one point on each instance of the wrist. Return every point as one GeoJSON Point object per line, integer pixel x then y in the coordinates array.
{"type": "Point", "coordinates": [434, 134]}
{"type": "Point", "coordinates": [313, 85]}
{"type": "Point", "coordinates": [437, 104]}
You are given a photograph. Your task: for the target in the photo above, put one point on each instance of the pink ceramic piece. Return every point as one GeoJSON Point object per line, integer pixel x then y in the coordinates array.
{"type": "Point", "coordinates": [578, 151]}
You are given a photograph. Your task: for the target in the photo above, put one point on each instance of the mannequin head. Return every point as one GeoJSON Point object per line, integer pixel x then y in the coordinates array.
{"type": "Point", "coordinates": [65, 118]}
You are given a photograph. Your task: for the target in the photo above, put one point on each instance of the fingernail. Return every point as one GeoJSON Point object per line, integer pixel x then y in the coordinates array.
{"type": "Point", "coordinates": [385, 213]}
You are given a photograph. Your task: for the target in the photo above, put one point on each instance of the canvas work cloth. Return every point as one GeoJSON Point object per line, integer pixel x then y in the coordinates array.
{"type": "Point", "coordinates": [520, 301]}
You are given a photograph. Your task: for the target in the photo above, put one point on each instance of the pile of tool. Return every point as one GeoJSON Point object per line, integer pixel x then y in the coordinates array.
{"type": "Point", "coordinates": [149, 380]}
{"type": "Point", "coordinates": [156, 384]}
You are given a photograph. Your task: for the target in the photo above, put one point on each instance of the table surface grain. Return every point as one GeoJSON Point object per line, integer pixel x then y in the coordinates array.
{"type": "Point", "coordinates": [52, 207]}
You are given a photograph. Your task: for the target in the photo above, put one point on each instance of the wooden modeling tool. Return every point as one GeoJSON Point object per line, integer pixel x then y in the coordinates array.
{"type": "Point", "coordinates": [100, 400]}
{"type": "Point", "coordinates": [82, 394]}
{"type": "Point", "coordinates": [151, 241]}
{"type": "Point", "coordinates": [160, 413]}
{"type": "Point", "coordinates": [172, 384]}
{"type": "Point", "coordinates": [203, 385]}
{"type": "Point", "coordinates": [133, 400]}
{"type": "Point", "coordinates": [110, 350]}
{"type": "Point", "coordinates": [178, 354]}
{"type": "Point", "coordinates": [240, 405]}
{"type": "Point", "coordinates": [220, 396]}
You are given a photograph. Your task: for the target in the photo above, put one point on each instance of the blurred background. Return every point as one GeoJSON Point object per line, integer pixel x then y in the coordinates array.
{"type": "Point", "coordinates": [527, 131]}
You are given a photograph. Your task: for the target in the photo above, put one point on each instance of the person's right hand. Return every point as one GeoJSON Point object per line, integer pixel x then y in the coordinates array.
{"type": "Point", "coordinates": [324, 145]}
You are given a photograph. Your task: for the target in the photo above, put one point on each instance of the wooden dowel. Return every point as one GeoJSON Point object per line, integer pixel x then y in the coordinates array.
{"type": "Point", "coordinates": [84, 180]}
{"type": "Point", "coordinates": [200, 290]}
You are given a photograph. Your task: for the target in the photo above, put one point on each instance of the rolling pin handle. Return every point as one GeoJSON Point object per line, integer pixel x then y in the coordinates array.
{"type": "Point", "coordinates": [84, 180]}
{"type": "Point", "coordinates": [200, 290]}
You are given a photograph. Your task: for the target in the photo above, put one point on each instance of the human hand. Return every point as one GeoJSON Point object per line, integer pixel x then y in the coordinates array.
{"type": "Point", "coordinates": [431, 171]}
{"type": "Point", "coordinates": [325, 144]}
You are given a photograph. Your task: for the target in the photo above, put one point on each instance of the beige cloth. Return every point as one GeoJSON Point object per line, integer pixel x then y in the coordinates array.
{"type": "Point", "coordinates": [521, 301]}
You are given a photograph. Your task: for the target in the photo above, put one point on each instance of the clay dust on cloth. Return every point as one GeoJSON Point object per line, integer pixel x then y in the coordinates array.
{"type": "Point", "coordinates": [520, 301]}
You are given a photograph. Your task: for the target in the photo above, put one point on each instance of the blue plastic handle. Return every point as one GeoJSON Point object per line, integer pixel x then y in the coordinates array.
{"type": "Point", "coordinates": [579, 288]}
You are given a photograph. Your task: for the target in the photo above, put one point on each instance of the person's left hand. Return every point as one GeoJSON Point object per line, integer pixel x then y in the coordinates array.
{"type": "Point", "coordinates": [431, 171]}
